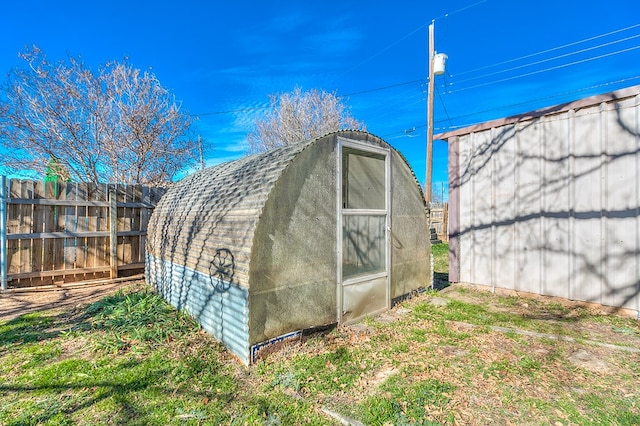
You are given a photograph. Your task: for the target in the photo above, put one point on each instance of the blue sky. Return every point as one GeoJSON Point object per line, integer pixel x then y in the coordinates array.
{"type": "Point", "coordinates": [222, 59]}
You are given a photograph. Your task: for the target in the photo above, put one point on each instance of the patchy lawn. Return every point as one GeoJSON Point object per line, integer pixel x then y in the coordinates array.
{"type": "Point", "coordinates": [440, 254]}
{"type": "Point", "coordinates": [459, 356]}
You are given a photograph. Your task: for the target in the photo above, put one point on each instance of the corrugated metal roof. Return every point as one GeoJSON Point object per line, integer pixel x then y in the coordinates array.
{"type": "Point", "coordinates": [217, 208]}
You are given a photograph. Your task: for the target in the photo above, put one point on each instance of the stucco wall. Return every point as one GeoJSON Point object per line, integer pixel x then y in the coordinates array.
{"type": "Point", "coordinates": [293, 268]}
{"type": "Point", "coordinates": [410, 246]}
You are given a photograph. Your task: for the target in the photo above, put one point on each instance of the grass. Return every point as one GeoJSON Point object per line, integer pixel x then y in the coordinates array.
{"type": "Point", "coordinates": [132, 359]}
{"type": "Point", "coordinates": [440, 257]}
{"type": "Point", "coordinates": [127, 359]}
{"type": "Point", "coordinates": [440, 254]}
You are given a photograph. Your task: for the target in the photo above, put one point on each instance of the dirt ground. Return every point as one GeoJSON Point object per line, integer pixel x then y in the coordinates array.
{"type": "Point", "coordinates": [14, 304]}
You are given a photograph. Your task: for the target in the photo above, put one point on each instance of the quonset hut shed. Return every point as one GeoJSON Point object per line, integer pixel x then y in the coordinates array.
{"type": "Point", "coordinates": [321, 232]}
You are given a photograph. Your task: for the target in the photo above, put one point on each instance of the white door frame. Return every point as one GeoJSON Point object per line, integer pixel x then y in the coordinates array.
{"type": "Point", "coordinates": [341, 212]}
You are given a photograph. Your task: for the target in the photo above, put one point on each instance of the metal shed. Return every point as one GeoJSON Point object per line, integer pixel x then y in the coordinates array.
{"type": "Point", "coordinates": [321, 232]}
{"type": "Point", "coordinates": [549, 202]}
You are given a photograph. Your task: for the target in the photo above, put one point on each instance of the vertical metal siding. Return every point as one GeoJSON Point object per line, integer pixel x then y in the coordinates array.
{"type": "Point", "coordinates": [620, 203]}
{"type": "Point", "coordinates": [454, 209]}
{"type": "Point", "coordinates": [528, 198]}
{"type": "Point", "coordinates": [482, 190]}
{"type": "Point", "coordinates": [555, 207]}
{"type": "Point", "coordinates": [551, 204]}
{"type": "Point", "coordinates": [636, 129]}
{"type": "Point", "coordinates": [587, 206]}
{"type": "Point", "coordinates": [504, 209]}
{"type": "Point", "coordinates": [466, 209]}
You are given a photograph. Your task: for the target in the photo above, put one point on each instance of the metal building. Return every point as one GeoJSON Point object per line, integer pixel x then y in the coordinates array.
{"type": "Point", "coordinates": [549, 202]}
{"type": "Point", "coordinates": [322, 232]}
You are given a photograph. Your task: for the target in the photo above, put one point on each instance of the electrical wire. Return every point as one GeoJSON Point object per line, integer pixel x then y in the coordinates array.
{"type": "Point", "coordinates": [362, 92]}
{"type": "Point", "coordinates": [544, 98]}
{"type": "Point", "coordinates": [462, 9]}
{"type": "Point", "coordinates": [443, 105]}
{"type": "Point", "coordinates": [231, 111]}
{"type": "Point", "coordinates": [565, 55]}
{"type": "Point", "coordinates": [378, 53]}
{"type": "Point", "coordinates": [405, 100]}
{"type": "Point", "coordinates": [544, 70]}
{"type": "Point", "coordinates": [377, 89]}
{"type": "Point", "coordinates": [505, 106]}
{"type": "Point", "coordinates": [449, 119]}
{"type": "Point", "coordinates": [550, 50]}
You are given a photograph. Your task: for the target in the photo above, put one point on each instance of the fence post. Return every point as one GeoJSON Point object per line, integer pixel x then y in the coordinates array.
{"type": "Point", "coordinates": [445, 221]}
{"type": "Point", "coordinates": [3, 232]}
{"type": "Point", "coordinates": [113, 232]}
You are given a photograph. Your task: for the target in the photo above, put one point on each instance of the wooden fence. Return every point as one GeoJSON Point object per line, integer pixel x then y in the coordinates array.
{"type": "Point", "coordinates": [56, 232]}
{"type": "Point", "coordinates": [438, 219]}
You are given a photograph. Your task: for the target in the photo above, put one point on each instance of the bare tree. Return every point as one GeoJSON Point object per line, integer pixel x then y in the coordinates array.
{"type": "Point", "coordinates": [117, 124]}
{"type": "Point", "coordinates": [297, 116]}
{"type": "Point", "coordinates": [438, 192]}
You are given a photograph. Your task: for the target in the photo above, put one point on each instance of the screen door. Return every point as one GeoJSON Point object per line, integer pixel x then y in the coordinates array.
{"type": "Point", "coordinates": [363, 240]}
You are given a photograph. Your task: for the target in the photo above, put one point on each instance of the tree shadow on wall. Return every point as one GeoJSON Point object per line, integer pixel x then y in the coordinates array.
{"type": "Point", "coordinates": [548, 205]}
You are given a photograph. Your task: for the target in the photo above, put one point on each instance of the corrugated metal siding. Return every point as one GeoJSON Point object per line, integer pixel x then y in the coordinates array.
{"type": "Point", "coordinates": [551, 204]}
{"type": "Point", "coordinates": [220, 307]}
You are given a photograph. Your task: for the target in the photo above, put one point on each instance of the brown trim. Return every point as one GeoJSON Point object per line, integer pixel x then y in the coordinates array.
{"type": "Point", "coordinates": [617, 95]}
{"type": "Point", "coordinates": [454, 208]}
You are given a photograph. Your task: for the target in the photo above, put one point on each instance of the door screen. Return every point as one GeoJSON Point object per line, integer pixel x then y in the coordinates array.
{"type": "Point", "coordinates": [364, 223]}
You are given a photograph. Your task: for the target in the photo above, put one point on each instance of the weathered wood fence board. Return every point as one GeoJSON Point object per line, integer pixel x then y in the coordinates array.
{"type": "Point", "coordinates": [438, 219]}
{"type": "Point", "coordinates": [56, 232]}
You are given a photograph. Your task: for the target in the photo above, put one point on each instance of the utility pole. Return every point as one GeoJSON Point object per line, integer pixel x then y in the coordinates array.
{"type": "Point", "coordinates": [201, 152]}
{"type": "Point", "coordinates": [436, 67]}
{"type": "Point", "coordinates": [430, 88]}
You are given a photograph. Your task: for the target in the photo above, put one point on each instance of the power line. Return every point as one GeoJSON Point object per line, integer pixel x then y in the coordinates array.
{"type": "Point", "coordinates": [362, 92]}
{"type": "Point", "coordinates": [550, 59]}
{"type": "Point", "coordinates": [549, 50]}
{"type": "Point", "coordinates": [382, 51]}
{"type": "Point", "coordinates": [556, 95]}
{"type": "Point", "coordinates": [565, 93]}
{"type": "Point", "coordinates": [378, 53]}
{"type": "Point", "coordinates": [443, 105]}
{"type": "Point", "coordinates": [462, 9]}
{"type": "Point", "coordinates": [252, 109]}
{"type": "Point", "coordinates": [544, 70]}
{"type": "Point", "coordinates": [377, 89]}
{"type": "Point", "coordinates": [399, 101]}
{"type": "Point", "coordinates": [231, 111]}
{"type": "Point", "coordinates": [506, 106]}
